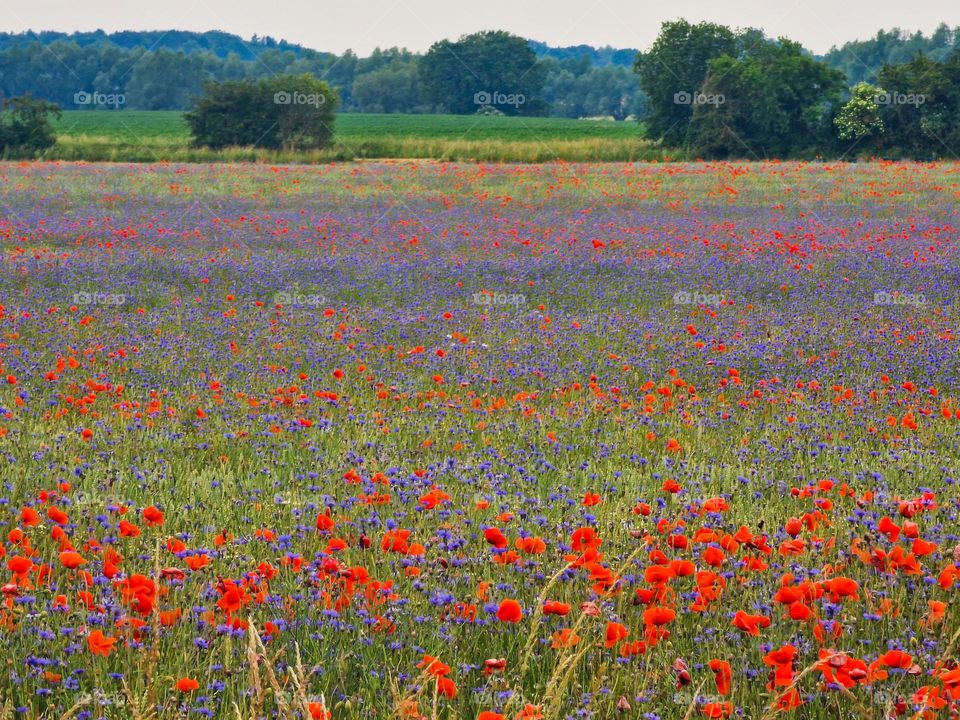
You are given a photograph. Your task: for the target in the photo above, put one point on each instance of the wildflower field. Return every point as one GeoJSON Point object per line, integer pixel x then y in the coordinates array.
{"type": "Point", "coordinates": [463, 441]}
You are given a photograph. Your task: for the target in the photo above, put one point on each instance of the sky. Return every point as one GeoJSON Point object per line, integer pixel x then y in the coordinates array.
{"type": "Point", "coordinates": [362, 25]}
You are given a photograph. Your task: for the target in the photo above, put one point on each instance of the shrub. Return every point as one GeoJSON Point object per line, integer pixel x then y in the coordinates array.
{"type": "Point", "coordinates": [288, 112]}
{"type": "Point", "coordinates": [25, 127]}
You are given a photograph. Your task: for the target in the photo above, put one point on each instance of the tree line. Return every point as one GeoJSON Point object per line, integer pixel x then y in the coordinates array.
{"type": "Point", "coordinates": [163, 71]}
{"type": "Point", "coordinates": [721, 93]}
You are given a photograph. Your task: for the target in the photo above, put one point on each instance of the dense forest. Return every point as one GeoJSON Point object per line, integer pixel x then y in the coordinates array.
{"type": "Point", "coordinates": [164, 70]}
{"type": "Point", "coordinates": [155, 70]}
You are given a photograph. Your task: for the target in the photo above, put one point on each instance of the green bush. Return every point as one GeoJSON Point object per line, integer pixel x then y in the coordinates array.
{"type": "Point", "coordinates": [25, 127]}
{"type": "Point", "coordinates": [287, 112]}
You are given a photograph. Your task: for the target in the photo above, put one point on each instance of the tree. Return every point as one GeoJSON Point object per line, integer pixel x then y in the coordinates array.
{"type": "Point", "coordinates": [303, 108]}
{"type": "Point", "coordinates": [921, 107]}
{"type": "Point", "coordinates": [289, 112]}
{"type": "Point", "coordinates": [862, 60]}
{"type": "Point", "coordinates": [493, 69]}
{"type": "Point", "coordinates": [673, 70]}
{"type": "Point", "coordinates": [859, 119]}
{"type": "Point", "coordinates": [166, 80]}
{"type": "Point", "coordinates": [774, 101]}
{"type": "Point", "coordinates": [25, 126]}
{"type": "Point", "coordinates": [392, 88]}
{"type": "Point", "coordinates": [574, 88]}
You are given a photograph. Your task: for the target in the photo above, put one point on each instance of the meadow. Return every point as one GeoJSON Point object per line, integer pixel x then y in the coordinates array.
{"type": "Point", "coordinates": [152, 136]}
{"type": "Point", "coordinates": [466, 441]}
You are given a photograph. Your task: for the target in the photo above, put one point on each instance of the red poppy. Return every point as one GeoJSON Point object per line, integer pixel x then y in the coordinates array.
{"type": "Point", "coordinates": [841, 587]}
{"type": "Point", "coordinates": [153, 516]}
{"type": "Point", "coordinates": [614, 634]}
{"type": "Point", "coordinates": [186, 685]}
{"type": "Point", "coordinates": [19, 565]}
{"type": "Point", "coordinates": [100, 644]}
{"type": "Point", "coordinates": [72, 560]}
{"type": "Point", "coordinates": [583, 538]}
{"type": "Point", "coordinates": [495, 537]}
{"type": "Point", "coordinates": [57, 515]}
{"type": "Point", "coordinates": [510, 611]}
{"type": "Point", "coordinates": [553, 607]}
{"type": "Point", "coordinates": [446, 687]}
{"type": "Point", "coordinates": [717, 709]}
{"type": "Point", "coordinates": [896, 659]}
{"type": "Point", "coordinates": [721, 675]}
{"type": "Point", "coordinates": [655, 616]}
{"type": "Point", "coordinates": [750, 624]}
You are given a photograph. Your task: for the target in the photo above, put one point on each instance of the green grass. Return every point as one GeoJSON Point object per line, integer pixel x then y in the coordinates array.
{"type": "Point", "coordinates": [147, 136]}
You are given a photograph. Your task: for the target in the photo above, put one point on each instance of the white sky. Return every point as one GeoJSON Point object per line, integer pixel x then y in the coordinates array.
{"type": "Point", "coordinates": [335, 25]}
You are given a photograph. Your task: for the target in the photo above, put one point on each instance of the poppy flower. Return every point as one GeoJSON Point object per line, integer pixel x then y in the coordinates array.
{"type": "Point", "coordinates": [19, 565]}
{"type": "Point", "coordinates": [186, 685]}
{"type": "Point", "coordinates": [615, 633]}
{"type": "Point", "coordinates": [841, 587]}
{"type": "Point", "coordinates": [714, 557]}
{"type": "Point", "coordinates": [784, 655]}
{"type": "Point", "coordinates": [896, 659]}
{"type": "Point", "coordinates": [721, 675]}
{"type": "Point", "coordinates": [494, 665]}
{"type": "Point", "coordinates": [553, 607]}
{"type": "Point", "coordinates": [565, 638]}
{"type": "Point", "coordinates": [655, 616]}
{"type": "Point", "coordinates": [446, 687]}
{"type": "Point", "coordinates": [318, 711]}
{"type": "Point", "coordinates": [100, 644]}
{"type": "Point", "coordinates": [196, 562]}
{"type": "Point", "coordinates": [717, 709]}
{"type": "Point", "coordinates": [591, 499]}
{"type": "Point", "coordinates": [583, 538]}
{"type": "Point", "coordinates": [433, 666]}
{"type": "Point", "coordinates": [799, 611]}
{"type": "Point", "coordinates": [128, 529]}
{"type": "Point", "coordinates": [495, 537]}
{"type": "Point", "coordinates": [750, 624]}
{"type": "Point", "coordinates": [57, 515]}
{"type": "Point", "coordinates": [509, 611]}
{"type": "Point", "coordinates": [153, 516]}
{"type": "Point", "coordinates": [71, 560]}
{"type": "Point", "coordinates": [324, 522]}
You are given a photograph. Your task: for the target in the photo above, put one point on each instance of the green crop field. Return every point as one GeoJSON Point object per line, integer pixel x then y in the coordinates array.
{"type": "Point", "coordinates": [147, 136]}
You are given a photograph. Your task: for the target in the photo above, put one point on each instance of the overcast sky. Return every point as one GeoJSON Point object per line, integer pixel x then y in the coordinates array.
{"type": "Point", "coordinates": [335, 25]}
